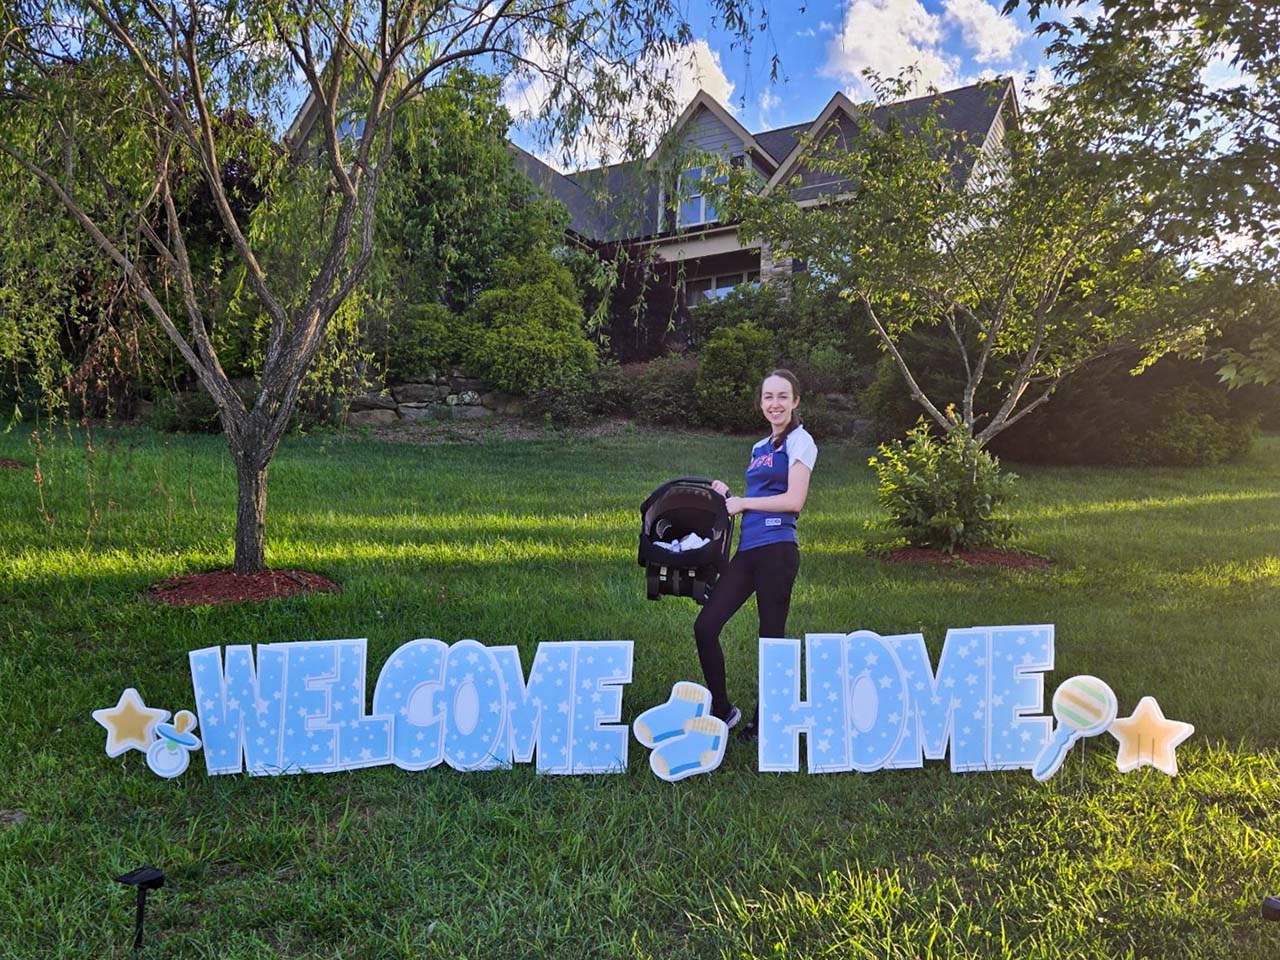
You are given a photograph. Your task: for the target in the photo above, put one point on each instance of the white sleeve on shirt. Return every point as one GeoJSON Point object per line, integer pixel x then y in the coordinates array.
{"type": "Point", "coordinates": [800, 446]}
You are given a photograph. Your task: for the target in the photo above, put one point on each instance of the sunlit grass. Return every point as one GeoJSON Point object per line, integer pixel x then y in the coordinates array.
{"type": "Point", "coordinates": [1166, 582]}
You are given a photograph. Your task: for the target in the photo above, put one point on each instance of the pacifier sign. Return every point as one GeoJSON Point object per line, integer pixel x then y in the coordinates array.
{"type": "Point", "coordinates": [854, 702]}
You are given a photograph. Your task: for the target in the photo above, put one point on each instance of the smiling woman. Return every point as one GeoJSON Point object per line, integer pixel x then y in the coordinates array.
{"type": "Point", "coordinates": [768, 557]}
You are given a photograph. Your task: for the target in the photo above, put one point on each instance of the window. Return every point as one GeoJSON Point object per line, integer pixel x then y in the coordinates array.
{"type": "Point", "coordinates": [714, 288]}
{"type": "Point", "coordinates": [694, 207]}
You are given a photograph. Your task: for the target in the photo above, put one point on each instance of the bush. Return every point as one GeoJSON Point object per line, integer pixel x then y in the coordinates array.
{"type": "Point", "coordinates": [186, 411]}
{"type": "Point", "coordinates": [733, 363]}
{"type": "Point", "coordinates": [425, 339]}
{"type": "Point", "coordinates": [943, 492]}
{"type": "Point", "coordinates": [527, 334]}
{"type": "Point", "coordinates": [1175, 413]}
{"type": "Point", "coordinates": [1193, 427]}
{"type": "Point", "coordinates": [614, 388]}
{"type": "Point", "coordinates": [816, 333]}
{"type": "Point", "coordinates": [665, 390]}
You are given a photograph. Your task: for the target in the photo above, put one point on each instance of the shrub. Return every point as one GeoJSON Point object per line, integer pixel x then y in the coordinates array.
{"type": "Point", "coordinates": [1193, 427]}
{"type": "Point", "coordinates": [614, 388]}
{"type": "Point", "coordinates": [186, 411]}
{"type": "Point", "coordinates": [425, 339]}
{"type": "Point", "coordinates": [665, 390]}
{"type": "Point", "coordinates": [733, 363]}
{"type": "Point", "coordinates": [943, 492]}
{"type": "Point", "coordinates": [1174, 413]}
{"type": "Point", "coordinates": [527, 334]}
{"type": "Point", "coordinates": [816, 333]}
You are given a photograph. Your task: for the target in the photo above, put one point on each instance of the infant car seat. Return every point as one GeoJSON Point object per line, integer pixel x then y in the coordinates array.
{"type": "Point", "coordinates": [672, 512]}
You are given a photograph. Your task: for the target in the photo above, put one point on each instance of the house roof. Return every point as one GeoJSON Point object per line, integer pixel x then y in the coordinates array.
{"type": "Point", "coordinates": [621, 201]}
{"type": "Point", "coordinates": [705, 100]}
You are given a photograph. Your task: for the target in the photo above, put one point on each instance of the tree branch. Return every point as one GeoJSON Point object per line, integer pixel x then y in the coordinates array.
{"type": "Point", "coordinates": [916, 393]}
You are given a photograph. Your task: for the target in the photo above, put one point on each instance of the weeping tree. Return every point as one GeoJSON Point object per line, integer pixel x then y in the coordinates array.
{"type": "Point", "coordinates": [116, 114]}
{"type": "Point", "coordinates": [1031, 257]}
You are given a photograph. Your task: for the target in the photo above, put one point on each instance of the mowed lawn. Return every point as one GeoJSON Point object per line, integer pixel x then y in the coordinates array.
{"type": "Point", "coordinates": [1167, 583]}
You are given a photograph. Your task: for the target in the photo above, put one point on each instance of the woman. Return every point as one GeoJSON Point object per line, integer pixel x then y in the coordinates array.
{"type": "Point", "coordinates": [768, 556]}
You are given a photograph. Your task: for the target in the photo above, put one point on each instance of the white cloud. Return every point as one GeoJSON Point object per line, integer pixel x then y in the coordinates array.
{"type": "Point", "coordinates": [807, 32]}
{"type": "Point", "coordinates": [696, 66]}
{"type": "Point", "coordinates": [768, 100]}
{"type": "Point", "coordinates": [989, 34]}
{"type": "Point", "coordinates": [686, 70]}
{"type": "Point", "coordinates": [886, 36]}
{"type": "Point", "coordinates": [1034, 87]}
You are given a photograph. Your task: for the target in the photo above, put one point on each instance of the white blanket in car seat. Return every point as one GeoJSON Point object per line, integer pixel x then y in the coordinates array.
{"type": "Point", "coordinates": [690, 541]}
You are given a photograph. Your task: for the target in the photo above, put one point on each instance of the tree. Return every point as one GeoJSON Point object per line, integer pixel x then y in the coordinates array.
{"type": "Point", "coordinates": [112, 110]}
{"type": "Point", "coordinates": [1192, 90]}
{"type": "Point", "coordinates": [1034, 258]}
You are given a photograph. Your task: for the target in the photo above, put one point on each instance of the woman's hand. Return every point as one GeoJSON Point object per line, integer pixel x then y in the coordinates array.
{"type": "Point", "coordinates": [720, 487]}
{"type": "Point", "coordinates": [735, 505]}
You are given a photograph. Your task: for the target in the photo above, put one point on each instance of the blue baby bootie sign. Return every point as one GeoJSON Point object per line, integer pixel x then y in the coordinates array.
{"type": "Point", "coordinates": [685, 738]}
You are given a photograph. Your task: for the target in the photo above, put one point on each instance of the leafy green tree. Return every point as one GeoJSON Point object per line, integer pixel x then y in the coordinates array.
{"type": "Point", "coordinates": [1034, 258]}
{"type": "Point", "coordinates": [112, 111]}
{"type": "Point", "coordinates": [1192, 96]}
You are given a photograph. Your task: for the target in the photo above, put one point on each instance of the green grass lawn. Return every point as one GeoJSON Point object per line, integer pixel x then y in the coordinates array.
{"type": "Point", "coordinates": [1167, 583]}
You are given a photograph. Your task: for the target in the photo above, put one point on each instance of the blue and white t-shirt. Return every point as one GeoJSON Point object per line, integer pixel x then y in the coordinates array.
{"type": "Point", "coordinates": [767, 476]}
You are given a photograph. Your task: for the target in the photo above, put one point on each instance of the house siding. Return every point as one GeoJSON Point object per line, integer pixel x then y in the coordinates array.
{"type": "Point", "coordinates": [815, 183]}
{"type": "Point", "coordinates": [706, 133]}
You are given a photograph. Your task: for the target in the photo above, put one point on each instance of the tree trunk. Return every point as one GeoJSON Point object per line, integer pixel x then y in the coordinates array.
{"type": "Point", "coordinates": [251, 516]}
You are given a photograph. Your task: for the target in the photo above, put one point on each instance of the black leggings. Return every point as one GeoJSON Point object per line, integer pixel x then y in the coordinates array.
{"type": "Point", "coordinates": [769, 572]}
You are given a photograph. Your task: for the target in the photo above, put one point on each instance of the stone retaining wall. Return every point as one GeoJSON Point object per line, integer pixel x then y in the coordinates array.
{"type": "Point", "coordinates": [452, 397]}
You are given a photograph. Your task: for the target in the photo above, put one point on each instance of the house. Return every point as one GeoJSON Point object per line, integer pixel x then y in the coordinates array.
{"type": "Point", "coordinates": [649, 206]}
{"type": "Point", "coordinates": [679, 251]}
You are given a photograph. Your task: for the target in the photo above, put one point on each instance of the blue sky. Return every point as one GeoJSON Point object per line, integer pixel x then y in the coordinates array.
{"type": "Point", "coordinates": [825, 46]}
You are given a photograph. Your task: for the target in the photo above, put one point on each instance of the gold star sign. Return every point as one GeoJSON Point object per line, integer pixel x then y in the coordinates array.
{"type": "Point", "coordinates": [1148, 739]}
{"type": "Point", "coordinates": [131, 724]}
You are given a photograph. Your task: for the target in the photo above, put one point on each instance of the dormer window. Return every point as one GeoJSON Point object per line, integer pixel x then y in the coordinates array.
{"type": "Point", "coordinates": [695, 208]}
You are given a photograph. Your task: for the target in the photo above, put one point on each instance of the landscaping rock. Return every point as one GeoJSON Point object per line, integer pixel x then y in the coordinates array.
{"type": "Point", "coordinates": [372, 401]}
{"type": "Point", "coordinates": [451, 399]}
{"type": "Point", "coordinates": [464, 384]}
{"type": "Point", "coordinates": [469, 398]}
{"type": "Point", "coordinates": [507, 405]}
{"type": "Point", "coordinates": [423, 411]}
{"type": "Point", "coordinates": [415, 392]}
{"type": "Point", "coordinates": [470, 412]}
{"type": "Point", "coordinates": [371, 418]}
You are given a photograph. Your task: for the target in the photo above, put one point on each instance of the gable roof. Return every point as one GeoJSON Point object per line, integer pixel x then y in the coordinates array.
{"type": "Point", "coordinates": [704, 100]}
{"type": "Point", "coordinates": [970, 111]}
{"type": "Point", "coordinates": [622, 201]}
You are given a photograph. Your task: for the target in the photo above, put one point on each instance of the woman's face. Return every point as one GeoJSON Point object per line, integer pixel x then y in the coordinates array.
{"type": "Point", "coordinates": [777, 400]}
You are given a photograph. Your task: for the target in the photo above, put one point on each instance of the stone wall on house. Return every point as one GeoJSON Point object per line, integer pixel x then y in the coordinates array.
{"type": "Point", "coordinates": [452, 396]}
{"type": "Point", "coordinates": [773, 269]}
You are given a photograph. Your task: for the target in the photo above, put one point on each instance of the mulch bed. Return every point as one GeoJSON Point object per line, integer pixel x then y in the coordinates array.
{"type": "Point", "coordinates": [7, 464]}
{"type": "Point", "coordinates": [223, 586]}
{"type": "Point", "coordinates": [981, 557]}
